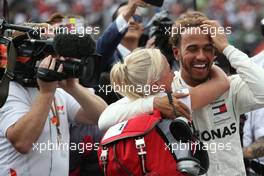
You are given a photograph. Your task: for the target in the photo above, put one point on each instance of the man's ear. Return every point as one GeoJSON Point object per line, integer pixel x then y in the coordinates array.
{"type": "Point", "coordinates": [176, 52]}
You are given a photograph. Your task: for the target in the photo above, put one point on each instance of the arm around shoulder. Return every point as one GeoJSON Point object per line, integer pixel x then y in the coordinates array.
{"type": "Point", "coordinates": [124, 109]}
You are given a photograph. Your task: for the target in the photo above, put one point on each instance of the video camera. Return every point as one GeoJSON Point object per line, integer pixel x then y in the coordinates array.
{"type": "Point", "coordinates": [30, 47]}
{"type": "Point", "coordinates": [20, 54]}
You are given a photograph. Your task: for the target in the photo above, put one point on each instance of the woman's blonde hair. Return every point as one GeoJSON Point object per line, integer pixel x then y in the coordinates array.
{"type": "Point", "coordinates": [141, 68]}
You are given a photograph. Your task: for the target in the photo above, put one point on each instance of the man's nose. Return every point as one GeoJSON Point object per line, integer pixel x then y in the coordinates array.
{"type": "Point", "coordinates": [201, 55]}
{"type": "Point", "coordinates": [131, 21]}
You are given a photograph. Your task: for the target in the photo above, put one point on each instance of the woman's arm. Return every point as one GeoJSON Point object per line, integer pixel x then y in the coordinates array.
{"type": "Point", "coordinates": [205, 93]}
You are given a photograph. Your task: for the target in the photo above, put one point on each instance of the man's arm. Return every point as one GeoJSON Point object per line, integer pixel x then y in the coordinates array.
{"type": "Point", "coordinates": [125, 109]}
{"type": "Point", "coordinates": [30, 126]}
{"type": "Point", "coordinates": [108, 42]}
{"type": "Point", "coordinates": [91, 105]}
{"type": "Point", "coordinates": [255, 150]}
{"type": "Point", "coordinates": [248, 89]}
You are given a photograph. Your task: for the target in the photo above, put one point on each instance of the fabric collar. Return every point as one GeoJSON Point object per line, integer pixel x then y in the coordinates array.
{"type": "Point", "coordinates": [123, 51]}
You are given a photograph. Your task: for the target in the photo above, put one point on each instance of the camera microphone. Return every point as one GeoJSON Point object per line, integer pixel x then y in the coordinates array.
{"type": "Point", "coordinates": [85, 66]}
{"type": "Point", "coordinates": [73, 45]}
{"type": "Point", "coordinates": [69, 45]}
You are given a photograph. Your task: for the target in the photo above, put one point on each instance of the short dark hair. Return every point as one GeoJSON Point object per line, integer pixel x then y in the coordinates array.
{"type": "Point", "coordinates": [186, 20]}
{"type": "Point", "coordinates": [114, 16]}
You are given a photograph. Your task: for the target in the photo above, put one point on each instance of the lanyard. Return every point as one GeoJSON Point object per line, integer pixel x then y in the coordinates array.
{"type": "Point", "coordinates": [55, 120]}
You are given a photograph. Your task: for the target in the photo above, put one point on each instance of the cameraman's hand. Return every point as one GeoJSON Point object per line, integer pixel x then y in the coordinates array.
{"type": "Point", "coordinates": [131, 8]}
{"type": "Point", "coordinates": [48, 87]}
{"type": "Point", "coordinates": [162, 104]}
{"type": "Point", "coordinates": [69, 84]}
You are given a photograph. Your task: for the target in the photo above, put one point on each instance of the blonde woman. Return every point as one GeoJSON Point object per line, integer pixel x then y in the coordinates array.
{"type": "Point", "coordinates": [146, 72]}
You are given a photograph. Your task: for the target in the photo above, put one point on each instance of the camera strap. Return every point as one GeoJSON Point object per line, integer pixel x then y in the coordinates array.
{"type": "Point", "coordinates": [55, 120]}
{"type": "Point", "coordinates": [9, 73]}
{"type": "Point", "coordinates": [48, 75]}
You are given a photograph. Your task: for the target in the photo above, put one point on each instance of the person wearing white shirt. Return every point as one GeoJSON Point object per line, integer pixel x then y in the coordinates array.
{"type": "Point", "coordinates": [34, 124]}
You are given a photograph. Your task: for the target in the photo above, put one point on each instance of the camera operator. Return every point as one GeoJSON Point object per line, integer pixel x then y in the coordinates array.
{"type": "Point", "coordinates": [34, 130]}
{"type": "Point", "coordinates": [81, 162]}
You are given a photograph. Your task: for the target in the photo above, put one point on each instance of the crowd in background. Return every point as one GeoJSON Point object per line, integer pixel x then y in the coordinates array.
{"type": "Point", "coordinates": [242, 15]}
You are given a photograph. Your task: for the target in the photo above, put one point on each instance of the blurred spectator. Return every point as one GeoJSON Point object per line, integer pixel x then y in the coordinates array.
{"type": "Point", "coordinates": [253, 137]}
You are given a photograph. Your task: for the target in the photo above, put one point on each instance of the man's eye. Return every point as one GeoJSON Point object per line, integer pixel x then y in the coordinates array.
{"type": "Point", "coordinates": [209, 49]}
{"type": "Point", "coordinates": [192, 48]}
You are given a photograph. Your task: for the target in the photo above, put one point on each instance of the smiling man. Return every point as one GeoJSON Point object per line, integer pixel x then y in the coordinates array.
{"type": "Point", "coordinates": [118, 40]}
{"type": "Point", "coordinates": [134, 27]}
{"type": "Point", "coordinates": [218, 122]}
{"type": "Point", "coordinates": [122, 35]}
{"type": "Point", "coordinates": [195, 58]}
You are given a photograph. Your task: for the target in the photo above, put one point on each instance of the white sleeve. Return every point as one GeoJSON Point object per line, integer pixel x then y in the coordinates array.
{"type": "Point", "coordinates": [121, 24]}
{"type": "Point", "coordinates": [16, 105]}
{"type": "Point", "coordinates": [124, 109]}
{"type": "Point", "coordinates": [248, 88]}
{"type": "Point", "coordinates": [259, 59]}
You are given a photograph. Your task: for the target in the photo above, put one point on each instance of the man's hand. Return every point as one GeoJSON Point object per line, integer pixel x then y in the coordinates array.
{"type": "Point", "coordinates": [217, 34]}
{"type": "Point", "coordinates": [166, 109]}
{"type": "Point", "coordinates": [48, 87]}
{"type": "Point", "coordinates": [255, 150]}
{"type": "Point", "coordinates": [131, 8]}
